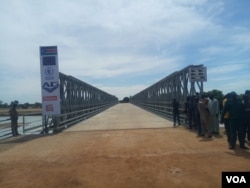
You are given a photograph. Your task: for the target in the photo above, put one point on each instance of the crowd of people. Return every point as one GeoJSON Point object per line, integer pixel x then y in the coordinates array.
{"type": "Point", "coordinates": [236, 118]}
{"type": "Point", "coordinates": [204, 113]}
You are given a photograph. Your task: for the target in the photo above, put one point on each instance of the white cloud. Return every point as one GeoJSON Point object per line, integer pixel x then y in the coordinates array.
{"type": "Point", "coordinates": [226, 69]}
{"type": "Point", "coordinates": [109, 40]}
{"type": "Point", "coordinates": [117, 65]}
{"type": "Point", "coordinates": [216, 50]}
{"type": "Point", "coordinates": [23, 88]}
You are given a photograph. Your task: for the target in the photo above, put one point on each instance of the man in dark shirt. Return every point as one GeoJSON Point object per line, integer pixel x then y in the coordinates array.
{"type": "Point", "coordinates": [14, 118]}
{"type": "Point", "coordinates": [236, 117]}
{"type": "Point", "coordinates": [247, 114]}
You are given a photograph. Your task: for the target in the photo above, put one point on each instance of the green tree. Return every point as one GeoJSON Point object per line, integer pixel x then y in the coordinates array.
{"type": "Point", "coordinates": [25, 105]}
{"type": "Point", "coordinates": [126, 99]}
{"type": "Point", "coordinates": [37, 105]}
{"type": "Point", "coordinates": [217, 95]}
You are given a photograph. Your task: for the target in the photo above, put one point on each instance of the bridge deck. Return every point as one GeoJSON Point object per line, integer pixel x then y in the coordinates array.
{"type": "Point", "coordinates": [132, 152]}
{"type": "Point", "coordinates": [122, 116]}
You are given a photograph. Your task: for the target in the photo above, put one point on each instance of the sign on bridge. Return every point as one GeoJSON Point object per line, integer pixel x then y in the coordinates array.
{"type": "Point", "coordinates": [197, 74]}
{"type": "Point", "coordinates": [50, 80]}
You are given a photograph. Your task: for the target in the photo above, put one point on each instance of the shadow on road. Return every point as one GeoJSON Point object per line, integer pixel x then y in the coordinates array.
{"type": "Point", "coordinates": [22, 138]}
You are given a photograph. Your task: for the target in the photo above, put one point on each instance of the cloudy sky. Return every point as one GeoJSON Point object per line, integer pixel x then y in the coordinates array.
{"type": "Point", "coordinates": [123, 46]}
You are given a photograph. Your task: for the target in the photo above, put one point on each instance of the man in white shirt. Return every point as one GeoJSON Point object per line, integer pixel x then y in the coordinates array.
{"type": "Point", "coordinates": [213, 107]}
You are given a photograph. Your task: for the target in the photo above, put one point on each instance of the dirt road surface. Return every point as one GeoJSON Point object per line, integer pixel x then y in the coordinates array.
{"type": "Point", "coordinates": [122, 147]}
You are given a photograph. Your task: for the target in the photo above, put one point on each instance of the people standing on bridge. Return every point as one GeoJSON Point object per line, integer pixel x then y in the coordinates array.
{"type": "Point", "coordinates": [14, 117]}
{"type": "Point", "coordinates": [193, 125]}
{"type": "Point", "coordinates": [246, 103]}
{"type": "Point", "coordinates": [225, 118]}
{"type": "Point", "coordinates": [186, 110]}
{"type": "Point", "coordinates": [189, 112]}
{"type": "Point", "coordinates": [236, 121]}
{"type": "Point", "coordinates": [176, 105]}
{"type": "Point", "coordinates": [197, 116]}
{"type": "Point", "coordinates": [213, 107]}
{"type": "Point", "coordinates": [204, 116]}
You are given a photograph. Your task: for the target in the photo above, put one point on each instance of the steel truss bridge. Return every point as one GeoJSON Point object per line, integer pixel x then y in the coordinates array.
{"type": "Point", "coordinates": [79, 101]}
{"type": "Point", "coordinates": [179, 85]}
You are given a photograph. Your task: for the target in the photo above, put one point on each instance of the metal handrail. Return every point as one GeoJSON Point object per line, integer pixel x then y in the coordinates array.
{"type": "Point", "coordinates": [25, 124]}
{"type": "Point", "coordinates": [66, 120]}
{"type": "Point", "coordinates": [163, 109]}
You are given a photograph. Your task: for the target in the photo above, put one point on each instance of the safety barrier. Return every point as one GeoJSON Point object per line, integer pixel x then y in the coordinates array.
{"type": "Point", "coordinates": [158, 97]}
{"type": "Point", "coordinates": [57, 123]}
{"type": "Point", "coordinates": [27, 124]}
{"type": "Point", "coordinates": [79, 101]}
{"type": "Point", "coordinates": [32, 124]}
{"type": "Point", "coordinates": [163, 109]}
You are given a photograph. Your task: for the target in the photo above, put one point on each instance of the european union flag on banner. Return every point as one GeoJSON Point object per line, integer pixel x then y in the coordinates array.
{"type": "Point", "coordinates": [49, 60]}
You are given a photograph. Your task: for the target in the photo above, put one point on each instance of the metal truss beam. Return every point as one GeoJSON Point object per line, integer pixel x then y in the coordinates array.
{"type": "Point", "coordinates": [79, 101]}
{"type": "Point", "coordinates": [179, 85]}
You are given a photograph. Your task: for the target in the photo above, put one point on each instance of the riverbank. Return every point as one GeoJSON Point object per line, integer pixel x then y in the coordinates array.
{"type": "Point", "coordinates": [33, 111]}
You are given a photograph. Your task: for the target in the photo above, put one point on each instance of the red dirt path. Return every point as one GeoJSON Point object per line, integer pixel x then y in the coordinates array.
{"type": "Point", "coordinates": [163, 157]}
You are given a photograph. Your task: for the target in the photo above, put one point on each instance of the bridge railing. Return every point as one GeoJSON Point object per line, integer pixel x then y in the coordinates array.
{"type": "Point", "coordinates": [57, 123]}
{"type": "Point", "coordinates": [163, 109]}
{"type": "Point", "coordinates": [179, 85]}
{"type": "Point", "coordinates": [79, 100]}
{"type": "Point", "coordinates": [31, 123]}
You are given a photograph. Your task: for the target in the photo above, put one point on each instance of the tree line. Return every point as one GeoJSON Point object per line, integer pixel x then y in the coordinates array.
{"type": "Point", "coordinates": [22, 106]}
{"type": "Point", "coordinates": [217, 94]}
